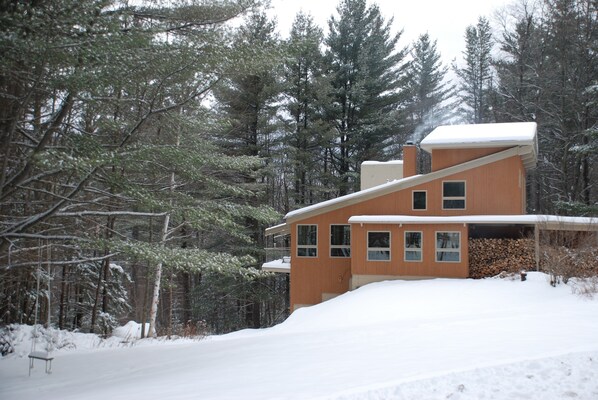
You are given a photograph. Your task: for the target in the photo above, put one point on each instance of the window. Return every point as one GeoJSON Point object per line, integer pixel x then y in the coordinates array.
{"type": "Point", "coordinates": [448, 246]}
{"type": "Point", "coordinates": [453, 195]}
{"type": "Point", "coordinates": [413, 246]}
{"type": "Point", "coordinates": [307, 240]}
{"type": "Point", "coordinates": [378, 246]}
{"type": "Point", "coordinates": [340, 241]}
{"type": "Point", "coordinates": [419, 199]}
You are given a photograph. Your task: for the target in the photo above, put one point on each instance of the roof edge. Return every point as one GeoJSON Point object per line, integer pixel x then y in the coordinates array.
{"type": "Point", "coordinates": [547, 222]}
{"type": "Point", "coordinates": [280, 229]}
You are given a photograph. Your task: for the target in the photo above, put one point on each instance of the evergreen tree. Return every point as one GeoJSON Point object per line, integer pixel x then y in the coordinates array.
{"type": "Point", "coordinates": [572, 36]}
{"type": "Point", "coordinates": [549, 75]}
{"type": "Point", "coordinates": [304, 96]}
{"type": "Point", "coordinates": [518, 96]}
{"type": "Point", "coordinates": [107, 145]}
{"type": "Point", "coordinates": [428, 104]}
{"type": "Point", "coordinates": [519, 68]}
{"type": "Point", "coordinates": [247, 100]}
{"type": "Point", "coordinates": [476, 75]}
{"type": "Point", "coordinates": [366, 74]}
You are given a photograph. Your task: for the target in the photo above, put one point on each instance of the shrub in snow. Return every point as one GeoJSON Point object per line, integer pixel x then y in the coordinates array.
{"type": "Point", "coordinates": [194, 329]}
{"type": "Point", "coordinates": [586, 287]}
{"type": "Point", "coordinates": [567, 254]}
{"type": "Point", "coordinates": [6, 341]}
{"type": "Point", "coordinates": [51, 339]}
{"type": "Point", "coordinates": [564, 263]}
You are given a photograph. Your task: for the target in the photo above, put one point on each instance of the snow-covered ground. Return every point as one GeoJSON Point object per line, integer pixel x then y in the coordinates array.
{"type": "Point", "coordinates": [434, 339]}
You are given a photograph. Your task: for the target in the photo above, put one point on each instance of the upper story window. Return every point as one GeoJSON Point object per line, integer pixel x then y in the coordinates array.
{"type": "Point", "coordinates": [340, 240]}
{"type": "Point", "coordinates": [413, 246]}
{"type": "Point", "coordinates": [448, 246]}
{"type": "Point", "coordinates": [453, 195]}
{"type": "Point", "coordinates": [378, 246]}
{"type": "Point", "coordinates": [307, 240]}
{"type": "Point", "coordinates": [419, 199]}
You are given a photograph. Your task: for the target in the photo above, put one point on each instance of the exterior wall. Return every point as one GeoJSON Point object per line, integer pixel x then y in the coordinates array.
{"type": "Point", "coordinates": [397, 266]}
{"type": "Point", "coordinates": [315, 279]}
{"type": "Point", "coordinates": [495, 188]}
{"type": "Point", "coordinates": [444, 158]}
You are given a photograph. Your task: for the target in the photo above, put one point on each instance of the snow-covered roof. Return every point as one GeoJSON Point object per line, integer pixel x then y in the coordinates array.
{"type": "Point", "coordinates": [277, 266]}
{"type": "Point", "coordinates": [551, 222]}
{"type": "Point", "coordinates": [391, 162]}
{"type": "Point", "coordinates": [280, 229]}
{"type": "Point", "coordinates": [480, 135]}
{"type": "Point", "coordinates": [507, 134]}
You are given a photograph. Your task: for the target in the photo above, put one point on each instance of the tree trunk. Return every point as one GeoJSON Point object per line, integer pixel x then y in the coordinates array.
{"type": "Point", "coordinates": [157, 278]}
{"type": "Point", "coordinates": [186, 284]}
{"type": "Point", "coordinates": [96, 302]}
{"type": "Point", "coordinates": [144, 307]}
{"type": "Point", "coordinates": [63, 289]}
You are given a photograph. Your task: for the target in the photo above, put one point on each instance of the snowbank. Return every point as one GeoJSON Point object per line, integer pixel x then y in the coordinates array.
{"type": "Point", "coordinates": [433, 339]}
{"type": "Point", "coordinates": [131, 330]}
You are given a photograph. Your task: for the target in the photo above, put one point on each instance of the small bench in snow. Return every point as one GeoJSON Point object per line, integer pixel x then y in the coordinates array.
{"type": "Point", "coordinates": [40, 355]}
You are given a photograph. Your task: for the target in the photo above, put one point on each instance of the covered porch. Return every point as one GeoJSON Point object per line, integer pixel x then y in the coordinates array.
{"type": "Point", "coordinates": [278, 249]}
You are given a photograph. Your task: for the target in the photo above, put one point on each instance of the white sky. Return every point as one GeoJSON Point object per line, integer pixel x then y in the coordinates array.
{"type": "Point", "coordinates": [444, 20]}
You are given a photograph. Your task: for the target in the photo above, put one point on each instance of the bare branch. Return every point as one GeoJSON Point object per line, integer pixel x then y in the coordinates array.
{"type": "Point", "coordinates": [43, 237]}
{"type": "Point", "coordinates": [108, 214]}
{"type": "Point", "coordinates": [63, 262]}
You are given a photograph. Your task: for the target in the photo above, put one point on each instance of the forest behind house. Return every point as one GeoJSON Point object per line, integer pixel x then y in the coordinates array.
{"type": "Point", "coordinates": [145, 146]}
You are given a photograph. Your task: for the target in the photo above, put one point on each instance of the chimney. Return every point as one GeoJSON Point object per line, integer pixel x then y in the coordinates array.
{"type": "Point", "coordinates": [409, 159]}
{"type": "Point", "coordinates": [374, 173]}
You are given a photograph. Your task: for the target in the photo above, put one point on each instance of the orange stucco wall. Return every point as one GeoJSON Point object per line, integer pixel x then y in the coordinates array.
{"type": "Point", "coordinates": [397, 264]}
{"type": "Point", "coordinates": [444, 158]}
{"type": "Point", "coordinates": [497, 188]}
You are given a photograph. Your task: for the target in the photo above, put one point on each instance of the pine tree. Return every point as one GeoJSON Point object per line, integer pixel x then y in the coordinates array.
{"type": "Point", "coordinates": [572, 34]}
{"type": "Point", "coordinates": [549, 75]}
{"type": "Point", "coordinates": [366, 73]}
{"type": "Point", "coordinates": [476, 76]}
{"type": "Point", "coordinates": [518, 95]}
{"type": "Point", "coordinates": [304, 77]}
{"type": "Point", "coordinates": [428, 103]}
{"type": "Point", "coordinates": [247, 100]}
{"type": "Point", "coordinates": [105, 138]}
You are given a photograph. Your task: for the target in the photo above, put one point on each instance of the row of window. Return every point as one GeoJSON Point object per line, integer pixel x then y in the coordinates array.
{"type": "Point", "coordinates": [453, 196]}
{"type": "Point", "coordinates": [448, 244]}
{"type": "Point", "coordinates": [340, 240]}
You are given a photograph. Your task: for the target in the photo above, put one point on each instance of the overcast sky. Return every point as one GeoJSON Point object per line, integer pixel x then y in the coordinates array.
{"type": "Point", "coordinates": [444, 20]}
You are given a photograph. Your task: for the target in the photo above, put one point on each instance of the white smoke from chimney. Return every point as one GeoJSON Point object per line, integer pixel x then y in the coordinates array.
{"type": "Point", "coordinates": [432, 120]}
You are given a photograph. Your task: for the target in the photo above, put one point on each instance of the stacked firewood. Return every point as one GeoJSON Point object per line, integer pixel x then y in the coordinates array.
{"type": "Point", "coordinates": [490, 257]}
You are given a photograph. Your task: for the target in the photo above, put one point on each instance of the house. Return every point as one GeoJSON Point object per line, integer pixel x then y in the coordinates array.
{"type": "Point", "coordinates": [402, 225]}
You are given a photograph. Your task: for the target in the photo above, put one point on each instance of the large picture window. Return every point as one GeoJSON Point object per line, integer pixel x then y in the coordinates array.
{"type": "Point", "coordinates": [340, 241]}
{"type": "Point", "coordinates": [448, 246]}
{"type": "Point", "coordinates": [453, 195]}
{"type": "Point", "coordinates": [378, 246]}
{"type": "Point", "coordinates": [413, 246]}
{"type": "Point", "coordinates": [419, 199]}
{"type": "Point", "coordinates": [307, 240]}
